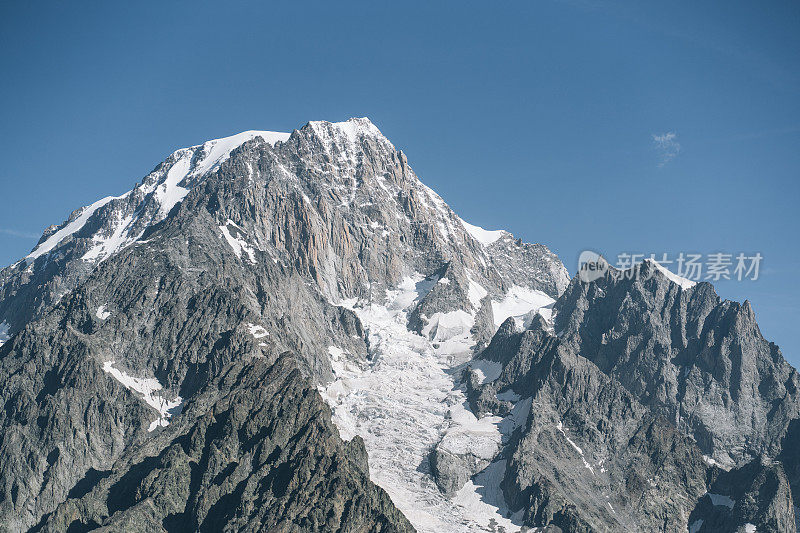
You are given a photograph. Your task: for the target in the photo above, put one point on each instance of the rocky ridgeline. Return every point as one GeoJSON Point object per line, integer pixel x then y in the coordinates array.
{"type": "Point", "coordinates": [247, 264]}
{"type": "Point", "coordinates": [255, 450]}
{"type": "Point", "coordinates": [168, 348]}
{"type": "Point", "coordinates": [672, 406]}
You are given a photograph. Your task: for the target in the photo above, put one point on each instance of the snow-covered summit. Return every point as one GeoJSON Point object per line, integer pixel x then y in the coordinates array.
{"type": "Point", "coordinates": [352, 128]}
{"type": "Point", "coordinates": [169, 184]}
{"type": "Point", "coordinates": [218, 150]}
{"type": "Point", "coordinates": [125, 217]}
{"type": "Point", "coordinates": [342, 181]}
{"type": "Point", "coordinates": [344, 138]}
{"type": "Point", "coordinates": [483, 236]}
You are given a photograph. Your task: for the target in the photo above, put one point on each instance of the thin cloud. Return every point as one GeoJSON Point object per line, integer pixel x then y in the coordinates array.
{"type": "Point", "coordinates": [20, 234]}
{"type": "Point", "coordinates": [668, 147]}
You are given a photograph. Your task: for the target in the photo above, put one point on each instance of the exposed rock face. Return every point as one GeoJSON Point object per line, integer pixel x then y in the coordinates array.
{"type": "Point", "coordinates": [517, 262]}
{"type": "Point", "coordinates": [254, 451]}
{"type": "Point", "coordinates": [450, 293]}
{"type": "Point", "coordinates": [168, 355]}
{"type": "Point", "coordinates": [694, 359]}
{"type": "Point", "coordinates": [452, 469]}
{"type": "Point", "coordinates": [126, 320]}
{"type": "Point", "coordinates": [587, 446]}
{"type": "Point", "coordinates": [790, 457]}
{"type": "Point", "coordinates": [757, 494]}
{"type": "Point", "coordinates": [643, 379]}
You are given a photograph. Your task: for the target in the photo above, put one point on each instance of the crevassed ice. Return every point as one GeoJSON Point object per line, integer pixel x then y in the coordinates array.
{"type": "Point", "coordinates": [148, 389]}
{"type": "Point", "coordinates": [402, 402]}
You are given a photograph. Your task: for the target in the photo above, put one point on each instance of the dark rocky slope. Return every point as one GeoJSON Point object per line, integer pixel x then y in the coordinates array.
{"type": "Point", "coordinates": [255, 450]}
{"type": "Point", "coordinates": [694, 359]}
{"type": "Point", "coordinates": [245, 267]}
{"type": "Point", "coordinates": [165, 357]}
{"type": "Point", "coordinates": [639, 390]}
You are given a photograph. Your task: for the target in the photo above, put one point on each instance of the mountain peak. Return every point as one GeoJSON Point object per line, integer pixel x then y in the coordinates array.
{"type": "Point", "coordinates": [260, 279]}
{"type": "Point", "coordinates": [350, 130]}
{"type": "Point", "coordinates": [351, 126]}
{"type": "Point", "coordinates": [684, 283]}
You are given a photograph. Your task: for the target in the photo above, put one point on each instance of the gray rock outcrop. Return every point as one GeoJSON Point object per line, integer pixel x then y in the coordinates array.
{"type": "Point", "coordinates": [254, 451]}
{"type": "Point", "coordinates": [124, 325]}
{"type": "Point", "coordinates": [167, 348]}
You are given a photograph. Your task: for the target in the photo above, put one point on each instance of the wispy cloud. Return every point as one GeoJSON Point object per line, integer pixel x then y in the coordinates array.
{"type": "Point", "coordinates": [20, 234]}
{"type": "Point", "coordinates": [668, 147]}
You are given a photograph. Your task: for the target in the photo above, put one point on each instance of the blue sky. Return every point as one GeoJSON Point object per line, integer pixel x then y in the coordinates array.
{"type": "Point", "coordinates": [619, 127]}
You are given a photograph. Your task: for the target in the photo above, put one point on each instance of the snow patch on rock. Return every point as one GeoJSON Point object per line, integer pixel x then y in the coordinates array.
{"type": "Point", "coordinates": [487, 371]}
{"type": "Point", "coordinates": [233, 236]}
{"type": "Point", "coordinates": [682, 282]}
{"type": "Point", "coordinates": [4, 336]}
{"type": "Point", "coordinates": [445, 326]}
{"type": "Point", "coordinates": [258, 332]}
{"type": "Point", "coordinates": [476, 293]}
{"type": "Point", "coordinates": [577, 448]}
{"type": "Point", "coordinates": [120, 238]}
{"type": "Point", "coordinates": [71, 227]}
{"type": "Point", "coordinates": [721, 500]}
{"type": "Point", "coordinates": [519, 302]}
{"type": "Point", "coordinates": [147, 389]}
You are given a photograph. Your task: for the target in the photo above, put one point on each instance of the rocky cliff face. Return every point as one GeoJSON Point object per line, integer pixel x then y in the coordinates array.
{"type": "Point", "coordinates": [692, 358]}
{"type": "Point", "coordinates": [291, 332]}
{"type": "Point", "coordinates": [642, 387]}
{"type": "Point", "coordinates": [588, 456]}
{"type": "Point", "coordinates": [254, 450]}
{"type": "Point", "coordinates": [229, 253]}
{"type": "Point", "coordinates": [67, 253]}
